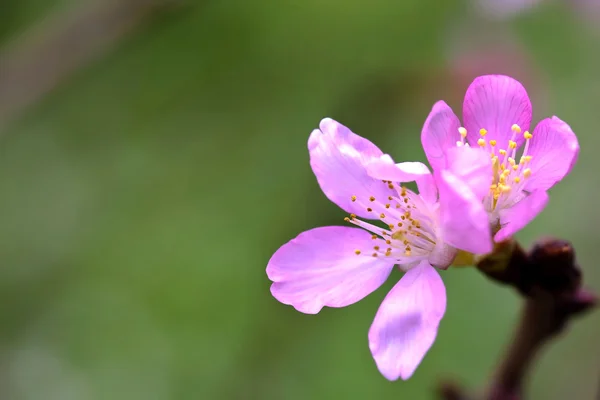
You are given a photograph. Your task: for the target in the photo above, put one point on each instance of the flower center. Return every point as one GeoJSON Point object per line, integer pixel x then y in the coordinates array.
{"type": "Point", "coordinates": [509, 176]}
{"type": "Point", "coordinates": [409, 235]}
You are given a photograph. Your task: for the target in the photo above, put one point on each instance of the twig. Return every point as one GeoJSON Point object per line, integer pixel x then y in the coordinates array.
{"type": "Point", "coordinates": [550, 281]}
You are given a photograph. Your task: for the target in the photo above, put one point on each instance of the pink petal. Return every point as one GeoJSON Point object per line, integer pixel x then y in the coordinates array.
{"type": "Point", "coordinates": [516, 217]}
{"type": "Point", "coordinates": [407, 321]}
{"type": "Point", "coordinates": [427, 189]}
{"type": "Point", "coordinates": [473, 166]}
{"type": "Point", "coordinates": [463, 220]}
{"type": "Point", "coordinates": [338, 158]}
{"type": "Point", "coordinates": [384, 168]}
{"type": "Point", "coordinates": [320, 268]}
{"type": "Point", "coordinates": [495, 103]}
{"type": "Point", "coordinates": [554, 150]}
{"type": "Point", "coordinates": [439, 133]}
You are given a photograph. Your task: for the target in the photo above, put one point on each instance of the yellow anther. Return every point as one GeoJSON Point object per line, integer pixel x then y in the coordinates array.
{"type": "Point", "coordinates": [493, 186]}
{"type": "Point", "coordinates": [527, 135]}
{"type": "Point", "coordinates": [382, 215]}
{"type": "Point", "coordinates": [502, 166]}
{"type": "Point", "coordinates": [481, 142]}
{"type": "Point", "coordinates": [515, 167]}
{"type": "Point", "coordinates": [373, 237]}
{"type": "Point", "coordinates": [511, 161]}
{"type": "Point", "coordinates": [526, 158]}
{"type": "Point", "coordinates": [462, 131]}
{"type": "Point", "coordinates": [505, 188]}
{"type": "Point", "coordinates": [376, 248]}
{"type": "Point", "coordinates": [357, 252]}
{"type": "Point", "coordinates": [369, 209]}
{"type": "Point", "coordinates": [482, 132]}
{"type": "Point", "coordinates": [391, 226]}
{"type": "Point", "coordinates": [527, 172]}
{"type": "Point", "coordinates": [492, 142]}
{"type": "Point", "coordinates": [399, 224]}
{"type": "Point", "coordinates": [374, 254]}
{"type": "Point", "coordinates": [516, 128]}
{"type": "Point", "coordinates": [388, 241]}
{"type": "Point", "coordinates": [390, 185]}
{"type": "Point", "coordinates": [371, 198]}
{"type": "Point", "coordinates": [353, 216]}
{"type": "Point", "coordinates": [390, 198]}
{"type": "Point", "coordinates": [512, 144]}
{"type": "Point", "coordinates": [387, 206]}
{"type": "Point", "coordinates": [517, 179]}
{"type": "Point", "coordinates": [502, 152]}
{"type": "Point", "coordinates": [347, 219]}
{"type": "Point", "coordinates": [353, 198]}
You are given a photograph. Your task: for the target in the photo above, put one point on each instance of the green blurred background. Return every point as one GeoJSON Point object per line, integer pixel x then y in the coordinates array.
{"type": "Point", "coordinates": [142, 198]}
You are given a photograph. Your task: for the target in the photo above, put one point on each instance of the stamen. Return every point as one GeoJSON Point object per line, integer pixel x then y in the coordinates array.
{"type": "Point", "coordinates": [353, 198]}
{"type": "Point", "coordinates": [463, 134]}
{"type": "Point", "coordinates": [516, 128]}
{"type": "Point", "coordinates": [357, 252]}
{"type": "Point", "coordinates": [482, 132]}
{"type": "Point", "coordinates": [481, 142]}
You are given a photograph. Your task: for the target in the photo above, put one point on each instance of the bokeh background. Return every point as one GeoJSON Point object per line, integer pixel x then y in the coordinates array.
{"type": "Point", "coordinates": [149, 169]}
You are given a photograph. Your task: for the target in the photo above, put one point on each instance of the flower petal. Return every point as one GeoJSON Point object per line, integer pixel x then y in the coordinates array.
{"type": "Point", "coordinates": [553, 149]}
{"type": "Point", "coordinates": [427, 189]}
{"type": "Point", "coordinates": [338, 158]}
{"type": "Point", "coordinates": [473, 166]}
{"type": "Point", "coordinates": [384, 168]}
{"type": "Point", "coordinates": [463, 220]}
{"type": "Point", "coordinates": [320, 268]}
{"type": "Point", "coordinates": [440, 132]}
{"type": "Point", "coordinates": [516, 217]}
{"type": "Point", "coordinates": [407, 321]}
{"type": "Point", "coordinates": [495, 103]}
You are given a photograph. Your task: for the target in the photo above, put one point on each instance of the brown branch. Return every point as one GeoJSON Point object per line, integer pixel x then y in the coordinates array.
{"type": "Point", "coordinates": [550, 282]}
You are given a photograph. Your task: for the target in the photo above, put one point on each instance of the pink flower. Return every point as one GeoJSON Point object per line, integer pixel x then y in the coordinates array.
{"type": "Point", "coordinates": [337, 266]}
{"type": "Point", "coordinates": [496, 116]}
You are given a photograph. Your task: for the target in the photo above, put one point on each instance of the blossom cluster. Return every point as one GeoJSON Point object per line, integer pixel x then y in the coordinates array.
{"type": "Point", "coordinates": [489, 178]}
